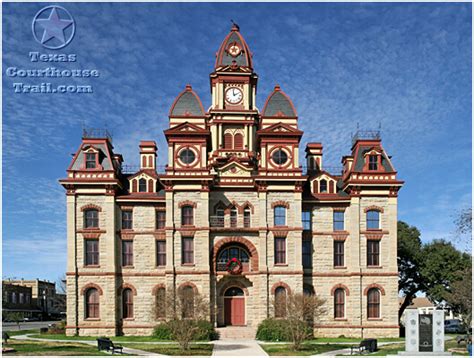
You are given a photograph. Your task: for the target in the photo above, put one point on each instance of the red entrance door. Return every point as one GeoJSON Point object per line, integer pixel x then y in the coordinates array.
{"type": "Point", "coordinates": [234, 307]}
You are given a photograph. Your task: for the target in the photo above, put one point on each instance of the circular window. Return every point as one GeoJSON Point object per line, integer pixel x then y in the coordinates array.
{"type": "Point", "coordinates": [280, 157]}
{"type": "Point", "coordinates": [187, 156]}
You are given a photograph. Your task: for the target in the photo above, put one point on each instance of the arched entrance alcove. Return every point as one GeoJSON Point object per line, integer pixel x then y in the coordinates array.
{"type": "Point", "coordinates": [234, 307]}
{"type": "Point", "coordinates": [238, 247]}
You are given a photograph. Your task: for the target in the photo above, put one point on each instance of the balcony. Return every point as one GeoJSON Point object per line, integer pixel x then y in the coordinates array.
{"type": "Point", "coordinates": [218, 221]}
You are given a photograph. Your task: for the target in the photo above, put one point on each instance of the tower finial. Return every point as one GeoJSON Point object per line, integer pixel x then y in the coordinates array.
{"type": "Point", "coordinates": [235, 27]}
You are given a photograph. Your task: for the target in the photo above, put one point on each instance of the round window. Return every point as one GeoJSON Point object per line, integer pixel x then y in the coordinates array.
{"type": "Point", "coordinates": [187, 156]}
{"type": "Point", "coordinates": [280, 157]}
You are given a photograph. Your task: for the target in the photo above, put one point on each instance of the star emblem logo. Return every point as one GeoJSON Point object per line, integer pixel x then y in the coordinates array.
{"type": "Point", "coordinates": [53, 27]}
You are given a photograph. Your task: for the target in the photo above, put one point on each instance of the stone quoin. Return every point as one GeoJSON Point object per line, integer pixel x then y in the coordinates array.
{"type": "Point", "coordinates": [233, 188]}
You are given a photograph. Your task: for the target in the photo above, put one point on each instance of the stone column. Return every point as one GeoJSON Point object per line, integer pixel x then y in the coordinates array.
{"type": "Point", "coordinates": [438, 331]}
{"type": "Point", "coordinates": [71, 279]}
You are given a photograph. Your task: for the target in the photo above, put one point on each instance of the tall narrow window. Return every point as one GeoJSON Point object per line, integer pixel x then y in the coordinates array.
{"type": "Point", "coordinates": [306, 220]}
{"type": "Point", "coordinates": [92, 252]}
{"type": "Point", "coordinates": [280, 250]}
{"type": "Point", "coordinates": [127, 220]}
{"type": "Point", "coordinates": [160, 219]}
{"type": "Point", "coordinates": [161, 253]}
{"type": "Point", "coordinates": [338, 253]}
{"type": "Point", "coordinates": [187, 215]}
{"type": "Point", "coordinates": [307, 253]}
{"type": "Point", "coordinates": [238, 141]}
{"type": "Point", "coordinates": [127, 253]}
{"type": "Point", "coordinates": [91, 162]}
{"type": "Point", "coordinates": [142, 185]}
{"type": "Point", "coordinates": [247, 215]}
{"type": "Point", "coordinates": [187, 299]}
{"type": "Point", "coordinates": [373, 253]}
{"type": "Point", "coordinates": [280, 302]}
{"type": "Point", "coordinates": [219, 219]}
{"type": "Point", "coordinates": [338, 220]}
{"type": "Point", "coordinates": [373, 219]}
{"type": "Point", "coordinates": [127, 303]}
{"type": "Point", "coordinates": [233, 217]}
{"type": "Point", "coordinates": [279, 216]}
{"type": "Point", "coordinates": [228, 141]}
{"type": "Point", "coordinates": [92, 303]}
{"type": "Point", "coordinates": [373, 162]}
{"type": "Point", "coordinates": [187, 250]}
{"type": "Point", "coordinates": [373, 303]}
{"type": "Point", "coordinates": [323, 186]}
{"type": "Point", "coordinates": [91, 218]}
{"type": "Point", "coordinates": [339, 303]}
{"type": "Point", "coordinates": [161, 303]}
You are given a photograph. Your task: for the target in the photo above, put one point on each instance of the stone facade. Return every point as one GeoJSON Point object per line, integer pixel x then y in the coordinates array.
{"type": "Point", "coordinates": [233, 188]}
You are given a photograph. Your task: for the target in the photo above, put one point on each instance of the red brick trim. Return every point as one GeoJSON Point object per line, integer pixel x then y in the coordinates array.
{"type": "Point", "coordinates": [240, 240]}
{"type": "Point", "coordinates": [373, 207]}
{"type": "Point", "coordinates": [280, 233]}
{"type": "Point", "coordinates": [155, 289]}
{"type": "Point", "coordinates": [91, 285]}
{"type": "Point", "coordinates": [374, 236]}
{"type": "Point", "coordinates": [374, 285]}
{"type": "Point", "coordinates": [188, 283]}
{"type": "Point", "coordinates": [91, 206]}
{"type": "Point", "coordinates": [187, 203]}
{"type": "Point", "coordinates": [280, 203]}
{"type": "Point", "coordinates": [339, 209]}
{"type": "Point", "coordinates": [340, 285]}
{"type": "Point", "coordinates": [160, 236]}
{"type": "Point", "coordinates": [280, 284]}
{"type": "Point", "coordinates": [91, 235]}
{"type": "Point", "coordinates": [340, 236]}
{"type": "Point", "coordinates": [127, 285]}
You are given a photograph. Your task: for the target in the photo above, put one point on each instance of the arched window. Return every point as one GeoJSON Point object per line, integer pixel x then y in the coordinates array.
{"type": "Point", "coordinates": [323, 186]}
{"type": "Point", "coordinates": [142, 185]}
{"type": "Point", "coordinates": [373, 219]}
{"type": "Point", "coordinates": [127, 303]}
{"type": "Point", "coordinates": [308, 290]}
{"type": "Point", "coordinates": [234, 291]}
{"type": "Point", "coordinates": [373, 303]}
{"type": "Point", "coordinates": [280, 302]}
{"type": "Point", "coordinates": [187, 302]}
{"type": "Point", "coordinates": [228, 139]}
{"type": "Point", "coordinates": [339, 303]}
{"type": "Point", "coordinates": [238, 141]}
{"type": "Point", "coordinates": [279, 216]}
{"type": "Point", "coordinates": [92, 303]}
{"type": "Point", "coordinates": [161, 303]}
{"type": "Point", "coordinates": [219, 219]}
{"type": "Point", "coordinates": [187, 215]}
{"type": "Point", "coordinates": [373, 162]}
{"type": "Point", "coordinates": [247, 216]}
{"type": "Point", "coordinates": [233, 217]}
{"type": "Point", "coordinates": [231, 252]}
{"type": "Point", "coordinates": [91, 218]}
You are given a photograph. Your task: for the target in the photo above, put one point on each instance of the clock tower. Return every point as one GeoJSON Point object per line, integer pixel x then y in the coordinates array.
{"type": "Point", "coordinates": [233, 116]}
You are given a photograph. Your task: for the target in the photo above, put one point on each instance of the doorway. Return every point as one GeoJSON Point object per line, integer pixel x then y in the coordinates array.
{"type": "Point", "coordinates": [234, 307]}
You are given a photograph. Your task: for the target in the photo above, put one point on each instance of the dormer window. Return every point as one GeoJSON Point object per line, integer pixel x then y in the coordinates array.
{"type": "Point", "coordinates": [142, 185]}
{"type": "Point", "coordinates": [91, 160]}
{"type": "Point", "coordinates": [323, 186]}
{"type": "Point", "coordinates": [373, 162]}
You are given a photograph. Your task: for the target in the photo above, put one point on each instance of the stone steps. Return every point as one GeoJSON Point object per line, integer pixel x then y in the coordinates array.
{"type": "Point", "coordinates": [236, 332]}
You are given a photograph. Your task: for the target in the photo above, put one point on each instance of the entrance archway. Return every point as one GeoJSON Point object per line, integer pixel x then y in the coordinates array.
{"type": "Point", "coordinates": [234, 307]}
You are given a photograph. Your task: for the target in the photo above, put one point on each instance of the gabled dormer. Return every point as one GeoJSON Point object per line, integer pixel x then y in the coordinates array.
{"type": "Point", "coordinates": [324, 183]}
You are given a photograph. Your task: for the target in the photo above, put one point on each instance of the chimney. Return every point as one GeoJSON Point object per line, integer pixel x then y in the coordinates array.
{"type": "Point", "coordinates": [147, 155]}
{"type": "Point", "coordinates": [314, 156]}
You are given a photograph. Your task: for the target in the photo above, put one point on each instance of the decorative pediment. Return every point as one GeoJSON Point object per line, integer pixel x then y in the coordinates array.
{"type": "Point", "coordinates": [186, 128]}
{"type": "Point", "coordinates": [280, 129]}
{"type": "Point", "coordinates": [234, 169]}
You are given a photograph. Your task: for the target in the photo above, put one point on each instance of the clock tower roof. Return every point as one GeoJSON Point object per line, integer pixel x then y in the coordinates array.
{"type": "Point", "coordinates": [187, 104]}
{"type": "Point", "coordinates": [234, 51]}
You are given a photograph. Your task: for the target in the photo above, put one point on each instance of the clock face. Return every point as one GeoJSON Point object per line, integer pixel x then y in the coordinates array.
{"type": "Point", "coordinates": [233, 95]}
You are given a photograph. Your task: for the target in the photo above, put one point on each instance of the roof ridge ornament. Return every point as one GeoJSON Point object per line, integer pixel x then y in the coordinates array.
{"type": "Point", "coordinates": [235, 27]}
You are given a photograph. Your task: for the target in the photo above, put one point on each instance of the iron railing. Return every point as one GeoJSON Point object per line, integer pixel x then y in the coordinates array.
{"type": "Point", "coordinates": [365, 134]}
{"type": "Point", "coordinates": [96, 133]}
{"type": "Point", "coordinates": [132, 169]}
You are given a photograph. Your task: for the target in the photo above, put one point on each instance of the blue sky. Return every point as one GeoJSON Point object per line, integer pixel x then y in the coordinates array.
{"type": "Point", "coordinates": [406, 66]}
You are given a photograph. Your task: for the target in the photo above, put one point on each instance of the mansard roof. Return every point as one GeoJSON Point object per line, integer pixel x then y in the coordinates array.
{"type": "Point", "coordinates": [278, 104]}
{"type": "Point", "coordinates": [187, 104]}
{"type": "Point", "coordinates": [361, 150]}
{"type": "Point", "coordinates": [223, 56]}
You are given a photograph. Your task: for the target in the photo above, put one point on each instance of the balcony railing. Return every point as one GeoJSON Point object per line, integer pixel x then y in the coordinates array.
{"type": "Point", "coordinates": [96, 133]}
{"type": "Point", "coordinates": [222, 265]}
{"type": "Point", "coordinates": [219, 221]}
{"type": "Point", "coordinates": [216, 221]}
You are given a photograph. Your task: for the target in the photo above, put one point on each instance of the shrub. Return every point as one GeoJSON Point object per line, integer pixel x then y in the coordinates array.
{"type": "Point", "coordinates": [272, 329]}
{"type": "Point", "coordinates": [162, 332]}
{"type": "Point", "coordinates": [59, 328]}
{"type": "Point", "coordinates": [206, 331]}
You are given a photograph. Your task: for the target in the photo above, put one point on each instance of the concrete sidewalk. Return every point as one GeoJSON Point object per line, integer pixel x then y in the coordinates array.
{"type": "Point", "coordinates": [243, 347]}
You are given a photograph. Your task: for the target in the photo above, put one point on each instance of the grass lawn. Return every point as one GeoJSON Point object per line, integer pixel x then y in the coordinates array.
{"type": "Point", "coordinates": [19, 333]}
{"type": "Point", "coordinates": [25, 348]}
{"type": "Point", "coordinates": [452, 344]}
{"type": "Point", "coordinates": [174, 349]}
{"type": "Point", "coordinates": [308, 349]}
{"type": "Point", "coordinates": [93, 338]}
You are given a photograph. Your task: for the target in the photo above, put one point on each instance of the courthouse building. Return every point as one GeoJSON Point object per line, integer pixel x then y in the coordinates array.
{"type": "Point", "coordinates": [233, 217]}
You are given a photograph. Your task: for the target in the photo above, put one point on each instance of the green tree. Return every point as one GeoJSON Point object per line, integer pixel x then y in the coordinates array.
{"type": "Point", "coordinates": [410, 259]}
{"type": "Point", "coordinates": [460, 297]}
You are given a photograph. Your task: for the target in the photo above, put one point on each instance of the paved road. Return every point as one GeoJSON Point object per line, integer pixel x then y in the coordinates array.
{"type": "Point", "coordinates": [12, 326]}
